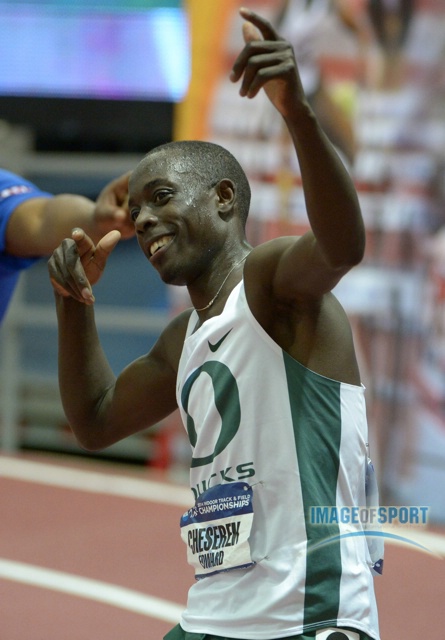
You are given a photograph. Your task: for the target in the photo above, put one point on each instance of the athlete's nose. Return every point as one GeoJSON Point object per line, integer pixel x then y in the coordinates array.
{"type": "Point", "coordinates": [146, 218]}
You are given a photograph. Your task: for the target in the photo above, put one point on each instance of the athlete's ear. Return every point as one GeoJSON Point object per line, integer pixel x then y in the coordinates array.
{"type": "Point", "coordinates": [225, 191]}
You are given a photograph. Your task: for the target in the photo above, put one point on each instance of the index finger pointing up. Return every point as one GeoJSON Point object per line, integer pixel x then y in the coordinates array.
{"type": "Point", "coordinates": [255, 30]}
{"type": "Point", "coordinates": [263, 25]}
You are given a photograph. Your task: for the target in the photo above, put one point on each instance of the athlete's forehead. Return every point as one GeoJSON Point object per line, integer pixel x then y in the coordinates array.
{"type": "Point", "coordinates": [169, 165]}
{"type": "Point", "coordinates": [163, 162]}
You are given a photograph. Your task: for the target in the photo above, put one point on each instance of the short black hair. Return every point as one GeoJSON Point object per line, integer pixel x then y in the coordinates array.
{"type": "Point", "coordinates": [213, 163]}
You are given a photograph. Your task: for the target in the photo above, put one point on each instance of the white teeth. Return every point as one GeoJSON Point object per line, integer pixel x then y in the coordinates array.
{"type": "Point", "coordinates": [159, 243]}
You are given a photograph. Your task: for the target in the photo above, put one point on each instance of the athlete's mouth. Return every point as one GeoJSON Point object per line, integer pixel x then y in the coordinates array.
{"type": "Point", "coordinates": [158, 244]}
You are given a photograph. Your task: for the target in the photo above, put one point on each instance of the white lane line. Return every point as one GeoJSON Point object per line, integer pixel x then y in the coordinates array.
{"type": "Point", "coordinates": [94, 482]}
{"type": "Point", "coordinates": [433, 542]}
{"type": "Point", "coordinates": [91, 589]}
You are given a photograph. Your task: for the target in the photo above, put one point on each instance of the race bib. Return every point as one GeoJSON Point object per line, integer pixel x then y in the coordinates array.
{"type": "Point", "coordinates": [217, 529]}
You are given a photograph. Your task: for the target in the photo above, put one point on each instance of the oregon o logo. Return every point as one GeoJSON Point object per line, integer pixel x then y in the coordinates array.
{"type": "Point", "coordinates": [226, 397]}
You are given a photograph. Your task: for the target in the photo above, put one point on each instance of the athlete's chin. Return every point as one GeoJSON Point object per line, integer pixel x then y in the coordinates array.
{"type": "Point", "coordinates": [170, 276]}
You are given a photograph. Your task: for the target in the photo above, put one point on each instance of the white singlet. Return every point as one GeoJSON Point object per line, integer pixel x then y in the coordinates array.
{"type": "Point", "coordinates": [260, 421]}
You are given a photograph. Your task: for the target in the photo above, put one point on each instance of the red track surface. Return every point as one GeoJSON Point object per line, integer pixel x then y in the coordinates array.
{"type": "Point", "coordinates": [135, 544]}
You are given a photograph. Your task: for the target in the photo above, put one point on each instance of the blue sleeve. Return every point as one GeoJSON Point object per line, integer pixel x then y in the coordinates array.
{"type": "Point", "coordinates": [13, 190]}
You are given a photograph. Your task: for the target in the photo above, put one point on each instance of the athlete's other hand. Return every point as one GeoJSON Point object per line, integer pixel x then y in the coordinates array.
{"type": "Point", "coordinates": [111, 210]}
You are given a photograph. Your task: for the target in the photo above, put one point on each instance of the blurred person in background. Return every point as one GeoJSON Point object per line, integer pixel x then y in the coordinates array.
{"type": "Point", "coordinates": [390, 23]}
{"type": "Point", "coordinates": [304, 24]}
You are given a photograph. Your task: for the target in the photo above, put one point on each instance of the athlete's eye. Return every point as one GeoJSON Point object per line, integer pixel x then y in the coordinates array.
{"type": "Point", "coordinates": [134, 214]}
{"type": "Point", "coordinates": [161, 196]}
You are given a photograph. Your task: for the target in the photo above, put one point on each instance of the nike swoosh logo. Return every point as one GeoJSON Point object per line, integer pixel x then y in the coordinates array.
{"type": "Point", "coordinates": [216, 346]}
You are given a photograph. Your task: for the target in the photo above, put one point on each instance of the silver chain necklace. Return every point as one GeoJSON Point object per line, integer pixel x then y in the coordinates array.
{"type": "Point", "coordinates": [223, 283]}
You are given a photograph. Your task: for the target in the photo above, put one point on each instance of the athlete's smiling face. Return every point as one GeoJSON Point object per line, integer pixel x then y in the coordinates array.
{"type": "Point", "coordinates": [176, 216]}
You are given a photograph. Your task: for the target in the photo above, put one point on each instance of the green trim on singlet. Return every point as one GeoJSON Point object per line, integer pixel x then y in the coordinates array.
{"type": "Point", "coordinates": [316, 417]}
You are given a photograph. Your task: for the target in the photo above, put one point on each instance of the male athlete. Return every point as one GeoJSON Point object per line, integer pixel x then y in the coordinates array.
{"type": "Point", "coordinates": [262, 369]}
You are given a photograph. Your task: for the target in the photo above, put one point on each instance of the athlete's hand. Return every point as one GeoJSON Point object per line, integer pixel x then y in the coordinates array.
{"type": "Point", "coordinates": [77, 264]}
{"type": "Point", "coordinates": [267, 61]}
{"type": "Point", "coordinates": [111, 210]}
